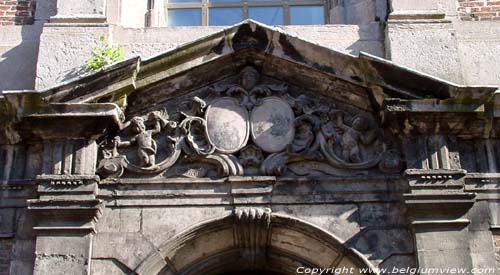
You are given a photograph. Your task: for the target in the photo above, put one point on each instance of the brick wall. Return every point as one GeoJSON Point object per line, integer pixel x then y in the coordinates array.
{"type": "Point", "coordinates": [5, 253]}
{"type": "Point", "coordinates": [479, 10]}
{"type": "Point", "coordinates": [17, 12]}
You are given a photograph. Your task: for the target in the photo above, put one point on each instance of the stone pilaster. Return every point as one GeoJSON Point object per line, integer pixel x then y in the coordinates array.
{"type": "Point", "coordinates": [66, 213]}
{"type": "Point", "coordinates": [437, 206]}
{"type": "Point", "coordinates": [156, 14]}
{"type": "Point", "coordinates": [66, 208]}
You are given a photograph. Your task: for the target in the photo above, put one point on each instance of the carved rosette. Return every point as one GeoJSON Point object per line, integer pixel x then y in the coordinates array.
{"type": "Point", "coordinates": [249, 129]}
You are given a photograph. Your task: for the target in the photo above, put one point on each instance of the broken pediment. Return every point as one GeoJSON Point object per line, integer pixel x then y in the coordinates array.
{"type": "Point", "coordinates": [248, 125]}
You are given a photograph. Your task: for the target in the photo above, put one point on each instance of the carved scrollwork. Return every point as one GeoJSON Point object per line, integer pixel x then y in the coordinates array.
{"type": "Point", "coordinates": [249, 128]}
{"type": "Point", "coordinates": [144, 140]}
{"type": "Point", "coordinates": [248, 91]}
{"type": "Point", "coordinates": [195, 138]}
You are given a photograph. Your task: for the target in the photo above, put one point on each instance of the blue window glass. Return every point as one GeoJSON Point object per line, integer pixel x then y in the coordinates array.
{"type": "Point", "coordinates": [224, 16]}
{"type": "Point", "coordinates": [267, 15]}
{"type": "Point", "coordinates": [184, 17]}
{"type": "Point", "coordinates": [307, 15]}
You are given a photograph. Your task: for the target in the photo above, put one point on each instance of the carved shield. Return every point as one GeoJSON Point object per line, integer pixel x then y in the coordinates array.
{"type": "Point", "coordinates": [272, 124]}
{"type": "Point", "coordinates": [227, 125]}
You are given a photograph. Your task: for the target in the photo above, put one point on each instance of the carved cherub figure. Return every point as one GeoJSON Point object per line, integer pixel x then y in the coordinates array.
{"type": "Point", "coordinates": [358, 132]}
{"type": "Point", "coordinates": [143, 138]}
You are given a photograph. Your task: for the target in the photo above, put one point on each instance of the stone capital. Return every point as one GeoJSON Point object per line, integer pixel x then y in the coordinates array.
{"type": "Point", "coordinates": [437, 197]}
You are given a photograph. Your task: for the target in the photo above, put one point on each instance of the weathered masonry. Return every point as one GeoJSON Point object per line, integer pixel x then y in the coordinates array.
{"type": "Point", "coordinates": [249, 150]}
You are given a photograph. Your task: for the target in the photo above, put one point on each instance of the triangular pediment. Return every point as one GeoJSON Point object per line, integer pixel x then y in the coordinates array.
{"type": "Point", "coordinates": [281, 56]}
{"type": "Point", "coordinates": [248, 124]}
{"type": "Point", "coordinates": [249, 100]}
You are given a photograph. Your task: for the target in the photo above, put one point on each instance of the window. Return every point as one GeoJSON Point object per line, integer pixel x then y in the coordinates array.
{"type": "Point", "coordinates": [230, 12]}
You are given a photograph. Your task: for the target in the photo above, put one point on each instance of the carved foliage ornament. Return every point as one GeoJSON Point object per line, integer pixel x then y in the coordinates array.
{"type": "Point", "coordinates": [248, 129]}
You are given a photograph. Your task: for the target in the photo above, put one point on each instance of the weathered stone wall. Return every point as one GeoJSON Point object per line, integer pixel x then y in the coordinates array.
{"type": "Point", "coordinates": [372, 222]}
{"type": "Point", "coordinates": [429, 36]}
{"type": "Point", "coordinates": [5, 255]}
{"type": "Point", "coordinates": [17, 244]}
{"type": "Point", "coordinates": [455, 52]}
{"type": "Point", "coordinates": [147, 42]}
{"type": "Point", "coordinates": [479, 10]}
{"type": "Point", "coordinates": [19, 45]}
{"type": "Point", "coordinates": [17, 12]}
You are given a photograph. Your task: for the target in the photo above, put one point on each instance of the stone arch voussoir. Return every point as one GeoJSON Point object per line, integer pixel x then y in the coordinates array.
{"type": "Point", "coordinates": [252, 239]}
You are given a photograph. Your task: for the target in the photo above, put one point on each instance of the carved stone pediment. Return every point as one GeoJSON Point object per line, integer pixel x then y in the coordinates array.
{"type": "Point", "coordinates": [249, 126]}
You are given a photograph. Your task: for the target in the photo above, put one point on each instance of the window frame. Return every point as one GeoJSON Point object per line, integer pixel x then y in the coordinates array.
{"type": "Point", "coordinates": [205, 5]}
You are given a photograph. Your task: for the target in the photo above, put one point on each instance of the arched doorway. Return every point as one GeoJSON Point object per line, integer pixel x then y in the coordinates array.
{"type": "Point", "coordinates": [252, 241]}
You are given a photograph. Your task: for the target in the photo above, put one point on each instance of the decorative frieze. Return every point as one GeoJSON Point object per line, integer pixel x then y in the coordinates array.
{"type": "Point", "coordinates": [248, 128]}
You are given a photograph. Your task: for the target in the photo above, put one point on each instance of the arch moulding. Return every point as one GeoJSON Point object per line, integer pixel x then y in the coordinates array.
{"type": "Point", "coordinates": [253, 239]}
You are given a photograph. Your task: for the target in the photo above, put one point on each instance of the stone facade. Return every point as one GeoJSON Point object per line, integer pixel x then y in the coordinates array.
{"type": "Point", "coordinates": [250, 148]}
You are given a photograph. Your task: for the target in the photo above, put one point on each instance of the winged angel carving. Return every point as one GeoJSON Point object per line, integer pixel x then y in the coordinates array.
{"type": "Point", "coordinates": [248, 128]}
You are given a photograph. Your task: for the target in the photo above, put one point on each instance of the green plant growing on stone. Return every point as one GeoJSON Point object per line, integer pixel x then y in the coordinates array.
{"type": "Point", "coordinates": [103, 54]}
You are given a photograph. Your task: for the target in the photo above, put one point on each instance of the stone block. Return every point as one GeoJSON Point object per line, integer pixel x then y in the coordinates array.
{"type": "Point", "coordinates": [311, 249]}
{"type": "Point", "coordinates": [398, 264]}
{"type": "Point", "coordinates": [401, 5]}
{"type": "Point", "coordinates": [360, 12]}
{"type": "Point", "coordinates": [60, 265]}
{"type": "Point", "coordinates": [482, 249]}
{"type": "Point", "coordinates": [7, 222]}
{"type": "Point", "coordinates": [71, 246]}
{"type": "Point", "coordinates": [494, 213]}
{"type": "Point", "coordinates": [24, 224]}
{"type": "Point", "coordinates": [24, 250]}
{"type": "Point", "coordinates": [161, 224]}
{"type": "Point", "coordinates": [18, 56]}
{"type": "Point", "coordinates": [455, 258]}
{"type": "Point", "coordinates": [478, 49]}
{"type": "Point", "coordinates": [442, 240]}
{"type": "Point", "coordinates": [348, 266]}
{"type": "Point", "coordinates": [80, 9]}
{"type": "Point", "coordinates": [479, 216]}
{"type": "Point", "coordinates": [208, 243]}
{"type": "Point", "coordinates": [21, 267]}
{"type": "Point", "coordinates": [130, 249]}
{"type": "Point", "coordinates": [108, 267]}
{"type": "Point", "coordinates": [120, 220]}
{"type": "Point", "coordinates": [430, 48]}
{"type": "Point", "coordinates": [382, 215]}
{"type": "Point", "coordinates": [341, 220]}
{"type": "Point", "coordinates": [379, 245]}
{"type": "Point", "coordinates": [72, 45]}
